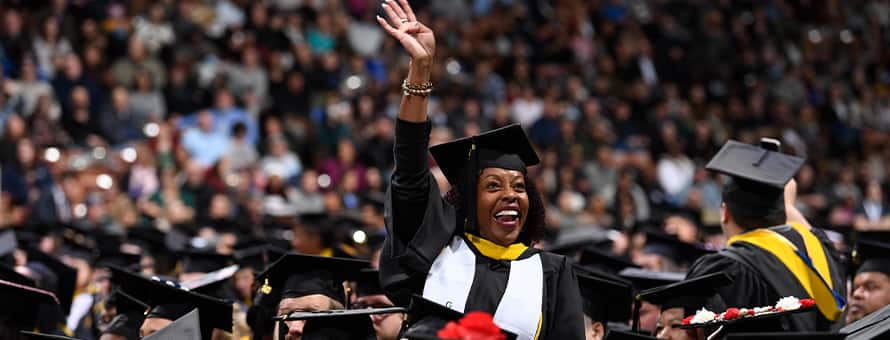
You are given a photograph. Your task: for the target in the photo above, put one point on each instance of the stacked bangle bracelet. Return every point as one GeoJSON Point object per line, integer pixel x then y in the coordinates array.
{"type": "Point", "coordinates": [421, 90]}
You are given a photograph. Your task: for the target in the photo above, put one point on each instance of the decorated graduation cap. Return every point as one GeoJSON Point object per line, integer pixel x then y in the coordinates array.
{"type": "Point", "coordinates": [168, 301]}
{"type": "Point", "coordinates": [758, 178]}
{"type": "Point", "coordinates": [204, 261]}
{"type": "Point", "coordinates": [690, 294]}
{"type": "Point", "coordinates": [26, 301]}
{"type": "Point", "coordinates": [872, 257]}
{"type": "Point", "coordinates": [296, 275]}
{"type": "Point", "coordinates": [61, 279]}
{"type": "Point", "coordinates": [670, 247]}
{"type": "Point", "coordinates": [605, 300]}
{"type": "Point", "coordinates": [463, 159]}
{"type": "Point", "coordinates": [187, 327]}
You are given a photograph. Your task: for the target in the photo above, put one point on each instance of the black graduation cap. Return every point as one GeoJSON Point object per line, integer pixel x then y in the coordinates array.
{"type": "Point", "coordinates": [622, 335]}
{"type": "Point", "coordinates": [171, 302]}
{"type": "Point", "coordinates": [22, 305]}
{"type": "Point", "coordinates": [129, 314]}
{"type": "Point", "coordinates": [690, 294]}
{"type": "Point", "coordinates": [872, 256]}
{"type": "Point", "coordinates": [787, 336]}
{"type": "Point", "coordinates": [602, 261]}
{"type": "Point", "coordinates": [334, 325]}
{"type": "Point", "coordinates": [65, 275]}
{"type": "Point", "coordinates": [569, 241]}
{"type": "Point", "coordinates": [258, 257]}
{"type": "Point", "coordinates": [368, 283]}
{"type": "Point", "coordinates": [204, 261]}
{"type": "Point", "coordinates": [213, 283]}
{"type": "Point", "coordinates": [873, 326]}
{"type": "Point", "coordinates": [187, 327]}
{"type": "Point", "coordinates": [758, 178]}
{"type": "Point", "coordinates": [119, 259]}
{"type": "Point", "coordinates": [34, 335]}
{"type": "Point", "coordinates": [295, 275]}
{"type": "Point", "coordinates": [645, 279]}
{"type": "Point", "coordinates": [605, 300]}
{"type": "Point", "coordinates": [669, 246]}
{"type": "Point", "coordinates": [462, 159]}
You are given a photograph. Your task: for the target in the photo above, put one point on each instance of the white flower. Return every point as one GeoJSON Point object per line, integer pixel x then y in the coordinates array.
{"type": "Point", "coordinates": [703, 316]}
{"type": "Point", "coordinates": [788, 303]}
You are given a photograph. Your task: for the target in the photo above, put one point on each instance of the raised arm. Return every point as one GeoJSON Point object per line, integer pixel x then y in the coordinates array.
{"type": "Point", "coordinates": [791, 212]}
{"type": "Point", "coordinates": [420, 43]}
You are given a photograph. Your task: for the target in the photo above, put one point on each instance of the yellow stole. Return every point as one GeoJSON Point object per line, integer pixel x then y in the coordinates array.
{"type": "Point", "coordinates": [816, 283]}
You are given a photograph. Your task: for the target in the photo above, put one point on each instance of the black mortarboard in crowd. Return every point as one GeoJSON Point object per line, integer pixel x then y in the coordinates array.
{"type": "Point", "coordinates": [186, 327]}
{"type": "Point", "coordinates": [334, 325]}
{"type": "Point", "coordinates": [569, 242]}
{"type": "Point", "coordinates": [22, 304]}
{"type": "Point", "coordinates": [65, 277]}
{"type": "Point", "coordinates": [670, 247]}
{"type": "Point", "coordinates": [120, 259]}
{"type": "Point", "coordinates": [130, 313]}
{"type": "Point", "coordinates": [8, 273]}
{"type": "Point", "coordinates": [462, 160]}
{"type": "Point", "coordinates": [873, 326]}
{"type": "Point", "coordinates": [170, 302]}
{"type": "Point", "coordinates": [758, 178]}
{"type": "Point", "coordinates": [605, 300]}
{"type": "Point", "coordinates": [603, 261]}
{"type": "Point", "coordinates": [644, 279]}
{"type": "Point", "coordinates": [204, 261]}
{"type": "Point", "coordinates": [691, 294]}
{"type": "Point", "coordinates": [258, 257]}
{"type": "Point", "coordinates": [873, 256]}
{"type": "Point", "coordinates": [25, 335]}
{"type": "Point", "coordinates": [213, 283]}
{"type": "Point", "coordinates": [295, 275]}
{"type": "Point", "coordinates": [368, 283]}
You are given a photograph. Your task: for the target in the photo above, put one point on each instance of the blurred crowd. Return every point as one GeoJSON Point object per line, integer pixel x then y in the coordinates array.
{"type": "Point", "coordinates": [221, 120]}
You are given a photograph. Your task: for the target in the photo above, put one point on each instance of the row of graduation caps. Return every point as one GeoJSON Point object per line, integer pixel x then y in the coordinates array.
{"type": "Point", "coordinates": [611, 289]}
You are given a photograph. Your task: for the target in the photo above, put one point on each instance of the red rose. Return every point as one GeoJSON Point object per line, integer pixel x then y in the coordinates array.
{"type": "Point", "coordinates": [807, 303]}
{"type": "Point", "coordinates": [751, 312]}
{"type": "Point", "coordinates": [473, 326]}
{"type": "Point", "coordinates": [731, 313]}
{"type": "Point", "coordinates": [450, 331]}
{"type": "Point", "coordinates": [688, 319]}
{"type": "Point", "coordinates": [780, 309]}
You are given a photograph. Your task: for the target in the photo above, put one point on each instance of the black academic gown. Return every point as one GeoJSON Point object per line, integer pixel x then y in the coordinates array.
{"type": "Point", "coordinates": [419, 225]}
{"type": "Point", "coordinates": [760, 279]}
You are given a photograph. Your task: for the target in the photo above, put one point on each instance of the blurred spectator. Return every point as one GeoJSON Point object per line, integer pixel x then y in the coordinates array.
{"type": "Point", "coordinates": [240, 153]}
{"type": "Point", "coordinates": [50, 47]}
{"type": "Point", "coordinates": [280, 162]}
{"type": "Point", "coordinates": [873, 213]}
{"type": "Point", "coordinates": [204, 142]}
{"type": "Point", "coordinates": [125, 69]}
{"type": "Point", "coordinates": [146, 101]}
{"type": "Point", "coordinates": [30, 88]}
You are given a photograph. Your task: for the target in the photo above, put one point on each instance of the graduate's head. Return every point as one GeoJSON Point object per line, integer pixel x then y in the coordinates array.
{"type": "Point", "coordinates": [871, 284]}
{"type": "Point", "coordinates": [306, 283]}
{"type": "Point", "coordinates": [605, 299]}
{"type": "Point", "coordinates": [490, 186]}
{"type": "Point", "coordinates": [753, 196]}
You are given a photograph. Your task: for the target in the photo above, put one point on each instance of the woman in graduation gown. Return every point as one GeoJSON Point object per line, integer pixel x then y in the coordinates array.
{"type": "Point", "coordinates": [470, 251]}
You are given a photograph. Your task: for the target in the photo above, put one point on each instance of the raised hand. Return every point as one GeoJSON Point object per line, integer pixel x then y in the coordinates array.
{"type": "Point", "coordinates": [417, 39]}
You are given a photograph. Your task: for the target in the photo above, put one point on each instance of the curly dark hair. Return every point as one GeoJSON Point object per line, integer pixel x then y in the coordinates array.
{"type": "Point", "coordinates": [536, 220]}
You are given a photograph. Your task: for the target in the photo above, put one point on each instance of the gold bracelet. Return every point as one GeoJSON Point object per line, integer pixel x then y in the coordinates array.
{"type": "Point", "coordinates": [422, 90]}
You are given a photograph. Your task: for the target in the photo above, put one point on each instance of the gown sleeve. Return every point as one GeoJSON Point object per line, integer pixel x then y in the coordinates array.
{"type": "Point", "coordinates": [419, 223]}
{"type": "Point", "coordinates": [565, 313]}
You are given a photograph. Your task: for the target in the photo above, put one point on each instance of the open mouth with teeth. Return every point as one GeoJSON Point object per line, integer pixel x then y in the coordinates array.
{"type": "Point", "coordinates": [507, 218]}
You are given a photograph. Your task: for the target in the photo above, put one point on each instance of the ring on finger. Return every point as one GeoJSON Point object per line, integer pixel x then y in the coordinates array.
{"type": "Point", "coordinates": [404, 20]}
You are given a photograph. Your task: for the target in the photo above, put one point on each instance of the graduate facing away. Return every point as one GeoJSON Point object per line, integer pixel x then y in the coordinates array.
{"type": "Point", "coordinates": [469, 251]}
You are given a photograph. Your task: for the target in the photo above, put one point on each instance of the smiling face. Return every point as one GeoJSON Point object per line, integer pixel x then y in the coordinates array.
{"type": "Point", "coordinates": [501, 205]}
